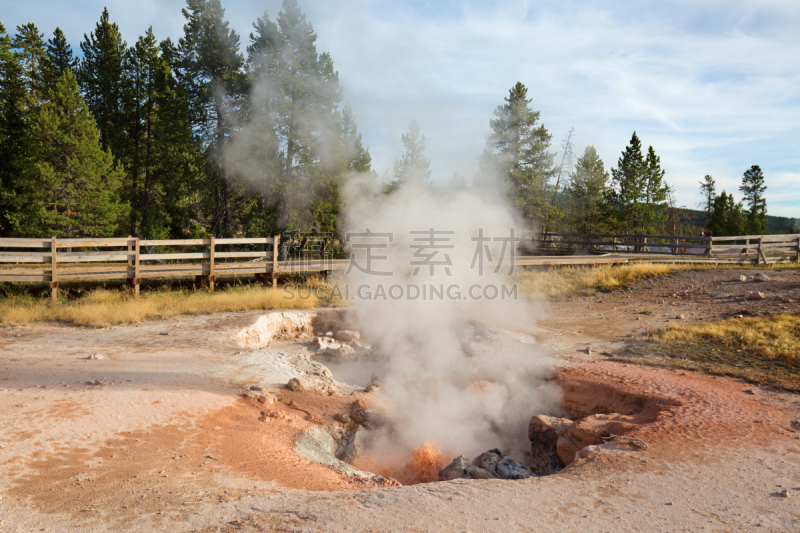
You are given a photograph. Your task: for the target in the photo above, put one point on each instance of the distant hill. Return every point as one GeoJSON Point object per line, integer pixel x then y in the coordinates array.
{"type": "Point", "coordinates": [775, 224]}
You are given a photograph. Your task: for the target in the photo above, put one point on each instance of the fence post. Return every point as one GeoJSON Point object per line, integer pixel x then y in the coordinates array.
{"type": "Point", "coordinates": [798, 250]}
{"type": "Point", "coordinates": [211, 276]}
{"type": "Point", "coordinates": [53, 270]}
{"type": "Point", "coordinates": [760, 254]}
{"type": "Point", "coordinates": [130, 249]}
{"type": "Point", "coordinates": [275, 244]}
{"type": "Point", "coordinates": [136, 273]}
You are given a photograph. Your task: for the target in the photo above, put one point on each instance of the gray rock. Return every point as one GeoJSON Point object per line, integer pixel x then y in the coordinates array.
{"type": "Point", "coordinates": [344, 418]}
{"type": "Point", "coordinates": [510, 468]}
{"type": "Point", "coordinates": [479, 473]}
{"type": "Point", "coordinates": [458, 469]}
{"type": "Point", "coordinates": [760, 277]}
{"type": "Point", "coordinates": [488, 460]}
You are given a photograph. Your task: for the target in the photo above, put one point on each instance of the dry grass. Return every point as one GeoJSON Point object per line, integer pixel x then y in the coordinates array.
{"type": "Point", "coordinates": [761, 350]}
{"type": "Point", "coordinates": [570, 280]}
{"type": "Point", "coordinates": [773, 337]}
{"type": "Point", "coordinates": [102, 307]}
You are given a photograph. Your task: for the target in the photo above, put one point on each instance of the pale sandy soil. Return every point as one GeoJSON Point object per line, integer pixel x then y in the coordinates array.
{"type": "Point", "coordinates": [155, 437]}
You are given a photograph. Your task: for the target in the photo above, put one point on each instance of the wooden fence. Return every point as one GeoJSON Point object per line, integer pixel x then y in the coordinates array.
{"type": "Point", "coordinates": [739, 249]}
{"type": "Point", "coordinates": [54, 260]}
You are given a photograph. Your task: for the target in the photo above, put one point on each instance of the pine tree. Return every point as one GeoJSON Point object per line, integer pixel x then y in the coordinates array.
{"type": "Point", "coordinates": [517, 150]}
{"type": "Point", "coordinates": [58, 61]}
{"type": "Point", "coordinates": [142, 67]}
{"type": "Point", "coordinates": [708, 188]}
{"type": "Point", "coordinates": [300, 88]}
{"type": "Point", "coordinates": [584, 193]}
{"type": "Point", "coordinates": [14, 108]}
{"type": "Point", "coordinates": [101, 79]}
{"type": "Point", "coordinates": [726, 217]}
{"type": "Point", "coordinates": [175, 192]}
{"type": "Point", "coordinates": [212, 69]}
{"type": "Point", "coordinates": [753, 188]}
{"type": "Point", "coordinates": [637, 199]}
{"type": "Point", "coordinates": [69, 186]}
{"type": "Point", "coordinates": [31, 53]}
{"type": "Point", "coordinates": [413, 168]}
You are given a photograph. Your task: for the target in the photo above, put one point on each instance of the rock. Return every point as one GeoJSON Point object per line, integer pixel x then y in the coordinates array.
{"type": "Point", "coordinates": [256, 388]}
{"type": "Point", "coordinates": [566, 448]}
{"type": "Point", "coordinates": [488, 460]}
{"type": "Point", "coordinates": [95, 356]}
{"type": "Point", "coordinates": [354, 444]}
{"type": "Point", "coordinates": [784, 493]}
{"type": "Point", "coordinates": [268, 399]}
{"type": "Point", "coordinates": [720, 295]}
{"type": "Point", "coordinates": [741, 278]}
{"type": "Point", "coordinates": [478, 473]}
{"type": "Point", "coordinates": [295, 385]}
{"type": "Point", "coordinates": [756, 296]}
{"type": "Point", "coordinates": [455, 470]}
{"type": "Point", "coordinates": [510, 468]}
{"type": "Point", "coordinates": [344, 418]}
{"type": "Point", "coordinates": [592, 429]}
{"type": "Point", "coordinates": [251, 394]}
{"type": "Point", "coordinates": [680, 317]}
{"type": "Point", "coordinates": [325, 343]}
{"type": "Point", "coordinates": [347, 335]}
{"type": "Point", "coordinates": [366, 417]}
{"type": "Point", "coordinates": [760, 277]}
{"type": "Point", "coordinates": [543, 432]}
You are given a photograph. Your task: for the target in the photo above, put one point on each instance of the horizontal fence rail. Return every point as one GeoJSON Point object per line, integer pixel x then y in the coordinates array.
{"type": "Point", "coordinates": [132, 259]}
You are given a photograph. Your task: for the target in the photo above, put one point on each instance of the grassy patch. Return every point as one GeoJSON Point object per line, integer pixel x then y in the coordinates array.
{"type": "Point", "coordinates": [761, 350]}
{"type": "Point", "coordinates": [104, 306]}
{"type": "Point", "coordinates": [572, 280]}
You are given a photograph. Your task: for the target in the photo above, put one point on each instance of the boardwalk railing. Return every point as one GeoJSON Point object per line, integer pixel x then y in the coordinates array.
{"type": "Point", "coordinates": [741, 248]}
{"type": "Point", "coordinates": [54, 260]}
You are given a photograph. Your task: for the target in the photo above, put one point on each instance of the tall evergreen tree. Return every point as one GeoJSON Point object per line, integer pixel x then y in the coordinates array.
{"type": "Point", "coordinates": [413, 168]}
{"type": "Point", "coordinates": [753, 188]}
{"type": "Point", "coordinates": [100, 76]}
{"type": "Point", "coordinates": [517, 150]}
{"type": "Point", "coordinates": [69, 186]}
{"type": "Point", "coordinates": [301, 89]}
{"type": "Point", "coordinates": [142, 68]}
{"type": "Point", "coordinates": [31, 53]}
{"type": "Point", "coordinates": [726, 217]}
{"type": "Point", "coordinates": [14, 107]}
{"type": "Point", "coordinates": [174, 195]}
{"type": "Point", "coordinates": [584, 193]}
{"type": "Point", "coordinates": [58, 61]}
{"type": "Point", "coordinates": [637, 198]}
{"type": "Point", "coordinates": [708, 188]}
{"type": "Point", "coordinates": [212, 66]}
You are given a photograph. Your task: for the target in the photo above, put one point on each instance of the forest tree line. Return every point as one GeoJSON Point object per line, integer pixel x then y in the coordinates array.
{"type": "Point", "coordinates": [198, 137]}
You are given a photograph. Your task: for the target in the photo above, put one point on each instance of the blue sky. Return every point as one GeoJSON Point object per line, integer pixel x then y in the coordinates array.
{"type": "Point", "coordinates": [714, 86]}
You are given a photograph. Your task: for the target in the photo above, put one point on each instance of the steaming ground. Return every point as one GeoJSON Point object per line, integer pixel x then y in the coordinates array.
{"type": "Point", "coordinates": [431, 351]}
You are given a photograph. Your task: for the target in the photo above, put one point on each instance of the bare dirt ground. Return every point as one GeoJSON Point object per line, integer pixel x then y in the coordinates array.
{"type": "Point", "coordinates": [155, 436]}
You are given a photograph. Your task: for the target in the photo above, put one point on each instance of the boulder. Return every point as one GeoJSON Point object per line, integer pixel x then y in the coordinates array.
{"type": "Point", "coordinates": [543, 432]}
{"type": "Point", "coordinates": [478, 473]}
{"type": "Point", "coordinates": [760, 277]}
{"type": "Point", "coordinates": [567, 447]}
{"type": "Point", "coordinates": [510, 468]}
{"type": "Point", "coordinates": [346, 335]}
{"type": "Point", "coordinates": [593, 429]}
{"type": "Point", "coordinates": [740, 278]}
{"type": "Point", "coordinates": [488, 460]}
{"type": "Point", "coordinates": [756, 296]}
{"type": "Point", "coordinates": [458, 469]}
{"type": "Point", "coordinates": [295, 385]}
